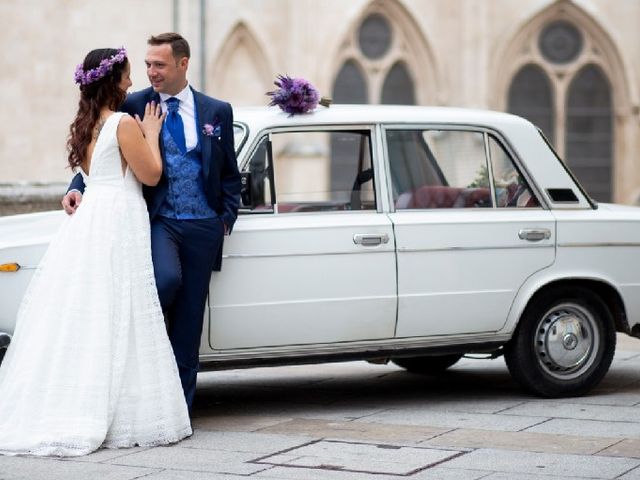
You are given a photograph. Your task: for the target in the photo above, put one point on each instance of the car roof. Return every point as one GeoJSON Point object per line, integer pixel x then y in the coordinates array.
{"type": "Point", "coordinates": [521, 135]}
{"type": "Point", "coordinates": [262, 117]}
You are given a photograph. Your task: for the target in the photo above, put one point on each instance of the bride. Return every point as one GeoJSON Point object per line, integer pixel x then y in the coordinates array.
{"type": "Point", "coordinates": [90, 364]}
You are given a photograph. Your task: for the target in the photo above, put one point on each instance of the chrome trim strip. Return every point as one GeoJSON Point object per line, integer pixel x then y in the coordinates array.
{"type": "Point", "coordinates": [245, 134]}
{"type": "Point", "coordinates": [459, 249]}
{"type": "Point", "coordinates": [318, 254]}
{"type": "Point", "coordinates": [599, 244]}
{"type": "Point", "coordinates": [489, 163]}
{"type": "Point", "coordinates": [399, 344]}
{"type": "Point", "coordinates": [301, 302]}
{"type": "Point", "coordinates": [381, 171]}
{"type": "Point", "coordinates": [243, 164]}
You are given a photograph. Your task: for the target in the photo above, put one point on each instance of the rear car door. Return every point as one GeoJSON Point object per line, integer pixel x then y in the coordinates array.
{"type": "Point", "coordinates": [469, 229]}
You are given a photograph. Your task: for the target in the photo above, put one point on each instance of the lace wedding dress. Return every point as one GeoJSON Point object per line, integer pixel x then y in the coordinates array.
{"type": "Point", "coordinates": [90, 364]}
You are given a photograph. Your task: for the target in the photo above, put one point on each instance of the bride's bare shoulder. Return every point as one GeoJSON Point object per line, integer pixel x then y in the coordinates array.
{"type": "Point", "coordinates": [128, 127]}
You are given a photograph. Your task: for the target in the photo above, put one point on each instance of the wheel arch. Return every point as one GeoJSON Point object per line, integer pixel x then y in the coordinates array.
{"type": "Point", "coordinates": [605, 290]}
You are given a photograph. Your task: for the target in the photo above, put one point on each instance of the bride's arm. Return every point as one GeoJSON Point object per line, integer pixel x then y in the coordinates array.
{"type": "Point", "coordinates": [139, 144]}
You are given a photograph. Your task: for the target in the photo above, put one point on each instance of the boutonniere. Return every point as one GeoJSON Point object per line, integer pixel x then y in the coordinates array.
{"type": "Point", "coordinates": [212, 130]}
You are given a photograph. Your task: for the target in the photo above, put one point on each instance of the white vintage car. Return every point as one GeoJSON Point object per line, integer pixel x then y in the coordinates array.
{"type": "Point", "coordinates": [412, 234]}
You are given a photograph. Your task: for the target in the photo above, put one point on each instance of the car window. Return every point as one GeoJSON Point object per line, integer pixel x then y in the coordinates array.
{"type": "Point", "coordinates": [510, 187]}
{"type": "Point", "coordinates": [257, 194]}
{"type": "Point", "coordinates": [314, 171]}
{"type": "Point", "coordinates": [438, 169]}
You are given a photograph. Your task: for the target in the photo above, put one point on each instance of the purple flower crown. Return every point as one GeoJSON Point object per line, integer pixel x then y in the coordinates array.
{"type": "Point", "coordinates": [296, 95]}
{"type": "Point", "coordinates": [106, 65]}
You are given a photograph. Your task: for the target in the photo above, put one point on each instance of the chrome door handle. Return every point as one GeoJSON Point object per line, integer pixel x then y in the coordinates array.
{"type": "Point", "coordinates": [370, 239]}
{"type": "Point", "coordinates": [534, 234]}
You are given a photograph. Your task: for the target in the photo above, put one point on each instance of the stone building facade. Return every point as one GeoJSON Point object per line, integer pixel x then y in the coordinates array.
{"type": "Point", "coordinates": [571, 66]}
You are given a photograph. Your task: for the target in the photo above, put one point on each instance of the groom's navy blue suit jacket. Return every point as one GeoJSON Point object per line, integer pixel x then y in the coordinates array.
{"type": "Point", "coordinates": [221, 178]}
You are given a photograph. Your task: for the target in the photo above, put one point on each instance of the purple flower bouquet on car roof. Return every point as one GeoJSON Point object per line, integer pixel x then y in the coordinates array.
{"type": "Point", "coordinates": [296, 95]}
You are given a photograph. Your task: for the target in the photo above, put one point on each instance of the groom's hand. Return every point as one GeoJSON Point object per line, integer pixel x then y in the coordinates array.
{"type": "Point", "coordinates": [71, 201]}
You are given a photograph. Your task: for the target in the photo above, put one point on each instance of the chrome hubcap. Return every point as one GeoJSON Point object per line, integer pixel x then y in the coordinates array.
{"type": "Point", "coordinates": [567, 341]}
{"type": "Point", "coordinates": [570, 341]}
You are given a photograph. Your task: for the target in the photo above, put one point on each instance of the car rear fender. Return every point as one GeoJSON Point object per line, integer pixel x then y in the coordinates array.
{"type": "Point", "coordinates": [550, 279]}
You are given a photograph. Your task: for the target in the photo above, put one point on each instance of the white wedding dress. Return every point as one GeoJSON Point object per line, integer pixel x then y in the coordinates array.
{"type": "Point", "coordinates": [90, 364]}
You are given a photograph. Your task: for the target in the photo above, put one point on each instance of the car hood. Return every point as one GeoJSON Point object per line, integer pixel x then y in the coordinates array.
{"type": "Point", "coordinates": [30, 228]}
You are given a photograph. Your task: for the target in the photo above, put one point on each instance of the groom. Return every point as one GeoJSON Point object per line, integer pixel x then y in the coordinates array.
{"type": "Point", "coordinates": [196, 201]}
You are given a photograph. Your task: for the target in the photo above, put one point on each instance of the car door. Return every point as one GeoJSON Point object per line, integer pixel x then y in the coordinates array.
{"type": "Point", "coordinates": [311, 259]}
{"type": "Point", "coordinates": [469, 229]}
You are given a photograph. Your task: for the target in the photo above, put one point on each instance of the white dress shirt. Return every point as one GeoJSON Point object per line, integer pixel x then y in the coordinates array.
{"type": "Point", "coordinates": [187, 110]}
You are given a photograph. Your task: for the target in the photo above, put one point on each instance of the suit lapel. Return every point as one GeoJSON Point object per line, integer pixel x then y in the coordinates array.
{"type": "Point", "coordinates": [151, 96]}
{"type": "Point", "coordinates": [203, 113]}
{"type": "Point", "coordinates": [154, 96]}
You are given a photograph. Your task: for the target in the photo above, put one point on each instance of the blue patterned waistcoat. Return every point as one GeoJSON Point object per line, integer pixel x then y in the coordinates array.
{"type": "Point", "coordinates": [185, 198]}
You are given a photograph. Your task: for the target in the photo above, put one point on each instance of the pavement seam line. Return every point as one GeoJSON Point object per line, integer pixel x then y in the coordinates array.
{"type": "Point", "coordinates": [372, 414]}
{"type": "Point", "coordinates": [509, 408]}
{"type": "Point", "coordinates": [440, 434]}
{"type": "Point", "coordinates": [150, 473]}
{"type": "Point", "coordinates": [612, 445]}
{"type": "Point", "coordinates": [286, 420]}
{"type": "Point", "coordinates": [124, 454]}
{"type": "Point", "coordinates": [259, 459]}
{"type": "Point", "coordinates": [440, 462]}
{"type": "Point", "coordinates": [628, 471]}
{"type": "Point", "coordinates": [548, 419]}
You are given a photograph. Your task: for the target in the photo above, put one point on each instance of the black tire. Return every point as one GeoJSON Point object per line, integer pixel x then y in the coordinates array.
{"type": "Point", "coordinates": [564, 343]}
{"type": "Point", "coordinates": [429, 365]}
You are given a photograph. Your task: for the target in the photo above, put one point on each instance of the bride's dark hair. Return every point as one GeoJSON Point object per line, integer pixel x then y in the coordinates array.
{"type": "Point", "coordinates": [95, 93]}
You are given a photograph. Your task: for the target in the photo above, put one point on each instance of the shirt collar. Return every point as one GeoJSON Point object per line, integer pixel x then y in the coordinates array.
{"type": "Point", "coordinates": [184, 95]}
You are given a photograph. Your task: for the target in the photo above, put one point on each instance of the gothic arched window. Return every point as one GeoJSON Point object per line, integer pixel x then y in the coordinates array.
{"type": "Point", "coordinates": [350, 86]}
{"type": "Point", "coordinates": [590, 131]}
{"type": "Point", "coordinates": [530, 97]}
{"type": "Point", "coordinates": [374, 36]}
{"type": "Point", "coordinates": [398, 87]}
{"type": "Point", "coordinates": [377, 70]}
{"type": "Point", "coordinates": [569, 97]}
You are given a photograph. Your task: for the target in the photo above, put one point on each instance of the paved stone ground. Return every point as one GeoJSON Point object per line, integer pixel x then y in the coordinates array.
{"type": "Point", "coordinates": [356, 421]}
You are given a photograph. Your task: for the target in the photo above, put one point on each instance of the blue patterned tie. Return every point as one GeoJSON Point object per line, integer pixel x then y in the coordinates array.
{"type": "Point", "coordinates": [174, 124]}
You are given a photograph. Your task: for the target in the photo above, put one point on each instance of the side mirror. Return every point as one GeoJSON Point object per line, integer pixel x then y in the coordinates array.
{"type": "Point", "coordinates": [245, 190]}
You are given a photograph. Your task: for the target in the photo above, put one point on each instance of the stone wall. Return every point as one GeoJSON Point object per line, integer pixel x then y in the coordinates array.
{"type": "Point", "coordinates": [457, 52]}
{"type": "Point", "coordinates": [30, 197]}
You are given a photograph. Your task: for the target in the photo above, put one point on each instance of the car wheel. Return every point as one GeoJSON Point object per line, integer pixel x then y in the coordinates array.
{"type": "Point", "coordinates": [564, 343]}
{"type": "Point", "coordinates": [430, 365]}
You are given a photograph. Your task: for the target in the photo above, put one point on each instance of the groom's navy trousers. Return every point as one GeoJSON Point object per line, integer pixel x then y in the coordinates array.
{"type": "Point", "coordinates": [184, 252]}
